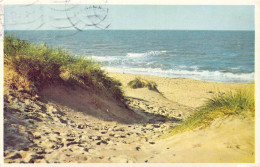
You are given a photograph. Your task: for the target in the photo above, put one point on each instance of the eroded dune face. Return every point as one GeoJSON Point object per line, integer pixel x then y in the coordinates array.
{"type": "Point", "coordinates": [100, 105]}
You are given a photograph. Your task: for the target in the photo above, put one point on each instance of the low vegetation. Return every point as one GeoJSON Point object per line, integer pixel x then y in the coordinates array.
{"type": "Point", "coordinates": [239, 103]}
{"type": "Point", "coordinates": [142, 83]}
{"type": "Point", "coordinates": [43, 65]}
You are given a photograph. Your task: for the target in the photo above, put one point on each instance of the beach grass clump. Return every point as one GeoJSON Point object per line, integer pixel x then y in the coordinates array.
{"type": "Point", "coordinates": [43, 65]}
{"type": "Point", "coordinates": [142, 83]}
{"type": "Point", "coordinates": [222, 105]}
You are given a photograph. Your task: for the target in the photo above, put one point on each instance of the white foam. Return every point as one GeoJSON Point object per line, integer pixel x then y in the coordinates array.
{"type": "Point", "coordinates": [105, 58]}
{"type": "Point", "coordinates": [135, 54]}
{"type": "Point", "coordinates": [201, 75]}
{"type": "Point", "coordinates": [148, 53]}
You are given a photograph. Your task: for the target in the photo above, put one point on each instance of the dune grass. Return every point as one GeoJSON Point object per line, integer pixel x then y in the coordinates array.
{"type": "Point", "coordinates": [222, 105]}
{"type": "Point", "coordinates": [142, 83]}
{"type": "Point", "coordinates": [43, 65]}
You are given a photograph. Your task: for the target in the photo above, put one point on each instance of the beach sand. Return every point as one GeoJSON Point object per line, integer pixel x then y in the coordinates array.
{"type": "Point", "coordinates": [49, 131]}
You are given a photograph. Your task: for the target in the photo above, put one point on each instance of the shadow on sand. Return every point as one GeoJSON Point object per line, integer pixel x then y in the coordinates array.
{"type": "Point", "coordinates": [101, 106]}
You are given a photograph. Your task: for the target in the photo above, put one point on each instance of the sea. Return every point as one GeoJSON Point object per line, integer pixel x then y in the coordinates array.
{"type": "Point", "coordinates": [218, 56]}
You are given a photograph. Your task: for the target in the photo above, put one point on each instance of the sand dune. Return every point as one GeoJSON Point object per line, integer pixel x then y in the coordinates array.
{"type": "Point", "coordinates": [74, 125]}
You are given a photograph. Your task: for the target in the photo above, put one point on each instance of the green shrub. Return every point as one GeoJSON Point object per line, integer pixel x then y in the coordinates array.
{"type": "Point", "coordinates": [43, 65]}
{"type": "Point", "coordinates": [14, 46]}
{"type": "Point", "coordinates": [141, 83]}
{"type": "Point", "coordinates": [220, 106]}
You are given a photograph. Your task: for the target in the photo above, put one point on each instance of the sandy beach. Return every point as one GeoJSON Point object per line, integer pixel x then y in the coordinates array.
{"type": "Point", "coordinates": [129, 82]}
{"type": "Point", "coordinates": [63, 125]}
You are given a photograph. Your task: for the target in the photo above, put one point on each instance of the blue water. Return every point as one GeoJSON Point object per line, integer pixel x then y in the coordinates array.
{"type": "Point", "coordinates": [222, 56]}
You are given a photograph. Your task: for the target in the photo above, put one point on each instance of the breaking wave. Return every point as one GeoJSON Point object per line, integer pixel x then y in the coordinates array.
{"type": "Point", "coordinates": [149, 53]}
{"type": "Point", "coordinates": [215, 76]}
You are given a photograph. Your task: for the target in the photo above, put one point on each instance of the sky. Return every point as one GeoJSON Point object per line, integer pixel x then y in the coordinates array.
{"type": "Point", "coordinates": [129, 17]}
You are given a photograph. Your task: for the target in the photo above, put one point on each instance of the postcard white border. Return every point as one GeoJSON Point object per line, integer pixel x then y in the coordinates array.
{"type": "Point", "coordinates": [256, 3]}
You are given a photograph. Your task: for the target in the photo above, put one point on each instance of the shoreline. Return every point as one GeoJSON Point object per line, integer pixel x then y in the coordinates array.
{"type": "Point", "coordinates": [186, 91]}
{"type": "Point", "coordinates": [160, 76]}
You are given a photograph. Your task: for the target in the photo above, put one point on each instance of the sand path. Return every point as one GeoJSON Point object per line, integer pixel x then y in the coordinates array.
{"type": "Point", "coordinates": [47, 132]}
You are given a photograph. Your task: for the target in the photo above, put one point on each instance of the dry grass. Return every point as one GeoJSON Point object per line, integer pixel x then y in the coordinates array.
{"type": "Point", "coordinates": [43, 65]}
{"type": "Point", "coordinates": [222, 105]}
{"type": "Point", "coordinates": [141, 83]}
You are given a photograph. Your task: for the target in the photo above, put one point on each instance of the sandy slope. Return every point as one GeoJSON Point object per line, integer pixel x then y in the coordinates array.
{"type": "Point", "coordinates": [230, 140]}
{"type": "Point", "coordinates": [73, 125]}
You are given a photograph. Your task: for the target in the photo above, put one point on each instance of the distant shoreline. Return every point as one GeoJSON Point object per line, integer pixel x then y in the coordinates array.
{"type": "Point", "coordinates": [184, 91]}
{"type": "Point", "coordinates": [152, 75]}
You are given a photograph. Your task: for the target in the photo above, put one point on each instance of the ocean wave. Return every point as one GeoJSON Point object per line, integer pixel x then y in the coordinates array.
{"type": "Point", "coordinates": [149, 53]}
{"type": "Point", "coordinates": [125, 58]}
{"type": "Point", "coordinates": [206, 75]}
{"type": "Point", "coordinates": [105, 58]}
